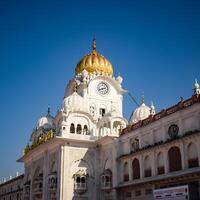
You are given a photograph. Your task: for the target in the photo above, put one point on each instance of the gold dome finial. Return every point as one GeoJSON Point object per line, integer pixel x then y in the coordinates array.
{"type": "Point", "coordinates": [94, 63]}
{"type": "Point", "coordinates": [94, 45]}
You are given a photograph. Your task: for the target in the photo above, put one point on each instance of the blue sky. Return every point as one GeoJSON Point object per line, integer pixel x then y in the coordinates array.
{"type": "Point", "coordinates": [153, 45]}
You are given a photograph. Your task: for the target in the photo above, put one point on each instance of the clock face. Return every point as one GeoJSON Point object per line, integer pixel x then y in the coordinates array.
{"type": "Point", "coordinates": [102, 88]}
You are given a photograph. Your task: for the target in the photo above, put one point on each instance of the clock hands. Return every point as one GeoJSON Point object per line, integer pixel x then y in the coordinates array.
{"type": "Point", "coordinates": [102, 88]}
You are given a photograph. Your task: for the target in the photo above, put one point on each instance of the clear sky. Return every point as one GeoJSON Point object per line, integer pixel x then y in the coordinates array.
{"type": "Point", "coordinates": [154, 45]}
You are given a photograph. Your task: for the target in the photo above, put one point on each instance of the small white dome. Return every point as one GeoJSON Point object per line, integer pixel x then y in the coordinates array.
{"type": "Point", "coordinates": [119, 79]}
{"type": "Point", "coordinates": [140, 113]}
{"type": "Point", "coordinates": [196, 87]}
{"type": "Point", "coordinates": [75, 102]}
{"type": "Point", "coordinates": [45, 122]}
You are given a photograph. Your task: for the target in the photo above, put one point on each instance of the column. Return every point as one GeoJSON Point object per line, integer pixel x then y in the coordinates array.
{"type": "Point", "coordinates": [45, 177]}
{"type": "Point", "coordinates": [182, 155]}
{"type": "Point", "coordinates": [115, 168]}
{"type": "Point", "coordinates": [185, 153]}
{"type": "Point", "coordinates": [180, 125]}
{"type": "Point", "coordinates": [166, 161]}
{"type": "Point", "coordinates": [130, 170]}
{"type": "Point", "coordinates": [198, 149]}
{"type": "Point", "coordinates": [154, 164]}
{"type": "Point", "coordinates": [61, 157]}
{"type": "Point", "coordinates": [141, 167]}
{"type": "Point", "coordinates": [31, 186]}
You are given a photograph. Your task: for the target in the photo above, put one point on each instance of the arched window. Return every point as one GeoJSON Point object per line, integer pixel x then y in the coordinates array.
{"type": "Point", "coordinates": [147, 166]}
{"type": "Point", "coordinates": [38, 183]}
{"type": "Point", "coordinates": [174, 155]}
{"type": "Point", "coordinates": [83, 179]}
{"type": "Point", "coordinates": [126, 173]}
{"type": "Point", "coordinates": [78, 179]}
{"type": "Point", "coordinates": [85, 130]}
{"type": "Point", "coordinates": [160, 163]}
{"type": "Point", "coordinates": [27, 187]}
{"type": "Point", "coordinates": [106, 179]}
{"type": "Point", "coordinates": [136, 168]}
{"type": "Point", "coordinates": [72, 128]}
{"type": "Point", "coordinates": [80, 183]}
{"type": "Point", "coordinates": [52, 179]}
{"type": "Point", "coordinates": [78, 129]}
{"type": "Point", "coordinates": [192, 156]}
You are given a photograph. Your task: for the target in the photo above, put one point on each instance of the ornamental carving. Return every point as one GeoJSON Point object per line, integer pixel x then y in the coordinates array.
{"type": "Point", "coordinates": [173, 131]}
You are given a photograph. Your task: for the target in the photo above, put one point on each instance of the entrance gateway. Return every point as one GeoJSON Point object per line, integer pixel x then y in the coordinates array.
{"type": "Point", "coordinates": [172, 193]}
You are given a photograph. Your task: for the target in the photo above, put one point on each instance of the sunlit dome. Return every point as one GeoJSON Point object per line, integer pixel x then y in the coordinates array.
{"type": "Point", "coordinates": [94, 62]}
{"type": "Point", "coordinates": [75, 102]}
{"type": "Point", "coordinates": [140, 113]}
{"type": "Point", "coordinates": [45, 121]}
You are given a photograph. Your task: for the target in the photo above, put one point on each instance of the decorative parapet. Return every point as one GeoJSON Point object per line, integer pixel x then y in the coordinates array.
{"type": "Point", "coordinates": [49, 135]}
{"type": "Point", "coordinates": [163, 113]}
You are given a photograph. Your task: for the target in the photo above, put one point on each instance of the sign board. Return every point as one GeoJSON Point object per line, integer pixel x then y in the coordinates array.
{"type": "Point", "coordinates": [172, 193]}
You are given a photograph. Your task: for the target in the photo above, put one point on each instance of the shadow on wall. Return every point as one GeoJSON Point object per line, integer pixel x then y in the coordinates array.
{"type": "Point", "coordinates": [82, 184]}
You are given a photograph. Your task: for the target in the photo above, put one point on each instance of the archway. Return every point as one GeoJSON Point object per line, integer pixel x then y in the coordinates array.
{"type": "Point", "coordinates": [174, 156]}
{"type": "Point", "coordinates": [136, 168]}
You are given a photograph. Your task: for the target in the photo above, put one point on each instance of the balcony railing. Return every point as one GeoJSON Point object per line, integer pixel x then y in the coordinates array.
{"type": "Point", "coordinates": [80, 186]}
{"type": "Point", "coordinates": [106, 185]}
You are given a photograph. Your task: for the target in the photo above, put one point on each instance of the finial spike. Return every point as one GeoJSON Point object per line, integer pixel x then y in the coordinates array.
{"type": "Point", "coordinates": [49, 110]}
{"type": "Point", "coordinates": [142, 98]}
{"type": "Point", "coordinates": [196, 87]}
{"type": "Point", "coordinates": [152, 109]}
{"type": "Point", "coordinates": [75, 86]}
{"type": "Point", "coordinates": [94, 45]}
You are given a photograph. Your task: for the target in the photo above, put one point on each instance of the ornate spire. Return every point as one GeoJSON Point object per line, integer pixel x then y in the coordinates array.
{"type": "Point", "coordinates": [142, 99]}
{"type": "Point", "coordinates": [196, 88]}
{"type": "Point", "coordinates": [48, 110]}
{"type": "Point", "coordinates": [152, 109]}
{"type": "Point", "coordinates": [75, 86]}
{"type": "Point", "coordinates": [94, 45]}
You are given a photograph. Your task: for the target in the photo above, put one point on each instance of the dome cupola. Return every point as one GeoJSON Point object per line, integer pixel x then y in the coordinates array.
{"type": "Point", "coordinates": [45, 122]}
{"type": "Point", "coordinates": [140, 113]}
{"type": "Point", "coordinates": [94, 62]}
{"type": "Point", "coordinates": [74, 102]}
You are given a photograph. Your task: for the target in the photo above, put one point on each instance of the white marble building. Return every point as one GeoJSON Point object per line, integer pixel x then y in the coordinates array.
{"type": "Point", "coordinates": [90, 151]}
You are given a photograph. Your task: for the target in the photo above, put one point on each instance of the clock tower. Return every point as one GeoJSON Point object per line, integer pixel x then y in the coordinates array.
{"type": "Point", "coordinates": [95, 83]}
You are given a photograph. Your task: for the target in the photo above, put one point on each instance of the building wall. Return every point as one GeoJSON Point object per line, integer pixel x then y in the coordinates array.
{"type": "Point", "coordinates": [153, 154]}
{"type": "Point", "coordinates": [12, 189]}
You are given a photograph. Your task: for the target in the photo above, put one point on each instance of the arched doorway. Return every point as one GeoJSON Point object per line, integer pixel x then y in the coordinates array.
{"type": "Point", "coordinates": [136, 168]}
{"type": "Point", "coordinates": [174, 156]}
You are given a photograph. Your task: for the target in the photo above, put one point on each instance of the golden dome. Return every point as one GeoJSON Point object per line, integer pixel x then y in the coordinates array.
{"type": "Point", "coordinates": [94, 62]}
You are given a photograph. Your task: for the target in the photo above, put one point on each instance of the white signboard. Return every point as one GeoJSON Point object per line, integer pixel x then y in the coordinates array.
{"type": "Point", "coordinates": [172, 193]}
